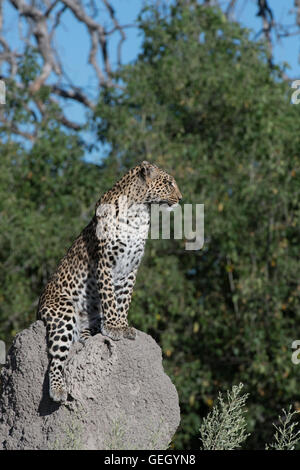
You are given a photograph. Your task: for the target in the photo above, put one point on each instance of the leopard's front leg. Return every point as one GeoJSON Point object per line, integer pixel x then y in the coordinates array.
{"type": "Point", "coordinates": [123, 292]}
{"type": "Point", "coordinates": [115, 301]}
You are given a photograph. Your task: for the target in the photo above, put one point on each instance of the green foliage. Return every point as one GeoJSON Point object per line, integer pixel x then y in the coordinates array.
{"type": "Point", "coordinates": [224, 428]}
{"type": "Point", "coordinates": [201, 101]}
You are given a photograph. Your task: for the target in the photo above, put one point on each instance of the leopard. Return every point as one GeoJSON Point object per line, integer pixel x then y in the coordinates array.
{"type": "Point", "coordinates": [91, 289]}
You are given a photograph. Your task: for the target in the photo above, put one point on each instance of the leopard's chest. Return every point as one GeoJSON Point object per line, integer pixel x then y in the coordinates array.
{"type": "Point", "coordinates": [132, 235]}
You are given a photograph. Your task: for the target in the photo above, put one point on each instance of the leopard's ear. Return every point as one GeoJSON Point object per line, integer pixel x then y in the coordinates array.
{"type": "Point", "coordinates": [147, 171]}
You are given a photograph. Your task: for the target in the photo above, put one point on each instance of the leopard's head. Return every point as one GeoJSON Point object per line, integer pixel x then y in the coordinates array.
{"type": "Point", "coordinates": [161, 187]}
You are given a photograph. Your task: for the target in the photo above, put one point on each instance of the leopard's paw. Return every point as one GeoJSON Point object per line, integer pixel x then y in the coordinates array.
{"type": "Point", "coordinates": [112, 332]}
{"type": "Point", "coordinates": [58, 394]}
{"type": "Point", "coordinates": [129, 332]}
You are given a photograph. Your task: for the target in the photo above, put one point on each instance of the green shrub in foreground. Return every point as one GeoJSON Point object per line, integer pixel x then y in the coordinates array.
{"type": "Point", "coordinates": [224, 428]}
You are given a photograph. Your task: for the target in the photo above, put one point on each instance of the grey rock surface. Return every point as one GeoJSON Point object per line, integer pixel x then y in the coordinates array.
{"type": "Point", "coordinates": [119, 396]}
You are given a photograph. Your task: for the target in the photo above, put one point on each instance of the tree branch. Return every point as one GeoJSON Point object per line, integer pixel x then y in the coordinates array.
{"type": "Point", "coordinates": [38, 24]}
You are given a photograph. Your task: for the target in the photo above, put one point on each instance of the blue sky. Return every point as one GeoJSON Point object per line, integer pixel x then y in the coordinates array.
{"type": "Point", "coordinates": [286, 49]}
{"type": "Point", "coordinates": [73, 45]}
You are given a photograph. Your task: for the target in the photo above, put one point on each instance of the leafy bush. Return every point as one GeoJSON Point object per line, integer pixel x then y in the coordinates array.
{"type": "Point", "coordinates": [287, 436]}
{"type": "Point", "coordinates": [224, 428]}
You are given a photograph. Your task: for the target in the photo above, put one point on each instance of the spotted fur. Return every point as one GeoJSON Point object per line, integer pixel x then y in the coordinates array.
{"type": "Point", "coordinates": [91, 289]}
